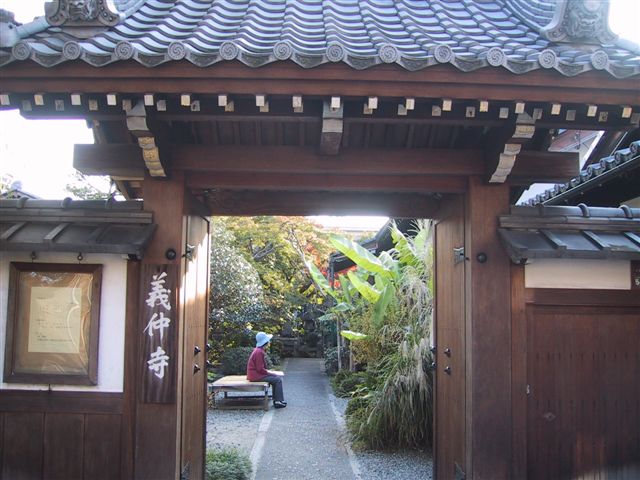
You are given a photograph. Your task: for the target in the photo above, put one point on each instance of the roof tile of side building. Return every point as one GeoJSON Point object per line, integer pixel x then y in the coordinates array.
{"type": "Point", "coordinates": [594, 174]}
{"type": "Point", "coordinates": [518, 35]}
{"type": "Point", "coordinates": [86, 226]}
{"type": "Point", "coordinates": [570, 232]}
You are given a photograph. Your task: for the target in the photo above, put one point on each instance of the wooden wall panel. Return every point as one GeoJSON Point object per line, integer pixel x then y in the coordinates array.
{"type": "Point", "coordinates": [102, 453]}
{"type": "Point", "coordinates": [450, 344]}
{"type": "Point", "coordinates": [60, 401]}
{"type": "Point", "coordinates": [584, 408]}
{"type": "Point", "coordinates": [63, 446]}
{"type": "Point", "coordinates": [22, 453]}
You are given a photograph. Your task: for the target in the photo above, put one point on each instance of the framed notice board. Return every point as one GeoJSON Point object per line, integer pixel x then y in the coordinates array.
{"type": "Point", "coordinates": [53, 323]}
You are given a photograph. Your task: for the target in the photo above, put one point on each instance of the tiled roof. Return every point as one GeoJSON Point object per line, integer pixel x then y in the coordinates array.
{"type": "Point", "coordinates": [414, 34]}
{"type": "Point", "coordinates": [593, 175]}
{"type": "Point", "coordinates": [571, 232]}
{"type": "Point", "coordinates": [85, 226]}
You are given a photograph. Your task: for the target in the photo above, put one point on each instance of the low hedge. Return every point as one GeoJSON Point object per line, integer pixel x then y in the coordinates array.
{"type": "Point", "coordinates": [227, 464]}
{"type": "Point", "coordinates": [345, 382]}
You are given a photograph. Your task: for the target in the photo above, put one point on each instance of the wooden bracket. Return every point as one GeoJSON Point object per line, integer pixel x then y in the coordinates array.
{"type": "Point", "coordinates": [502, 163]}
{"type": "Point", "coordinates": [139, 128]}
{"type": "Point", "coordinates": [332, 128]}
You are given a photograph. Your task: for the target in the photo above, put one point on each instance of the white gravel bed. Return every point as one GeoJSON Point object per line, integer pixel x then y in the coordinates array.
{"type": "Point", "coordinates": [233, 428]}
{"type": "Point", "coordinates": [390, 465]}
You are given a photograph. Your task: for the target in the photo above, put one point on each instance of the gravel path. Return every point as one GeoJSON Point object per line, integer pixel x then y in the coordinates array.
{"type": "Point", "coordinates": [239, 429]}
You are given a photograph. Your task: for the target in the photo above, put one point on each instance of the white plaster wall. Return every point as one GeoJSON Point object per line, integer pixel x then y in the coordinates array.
{"type": "Point", "coordinates": [575, 273]}
{"type": "Point", "coordinates": [112, 318]}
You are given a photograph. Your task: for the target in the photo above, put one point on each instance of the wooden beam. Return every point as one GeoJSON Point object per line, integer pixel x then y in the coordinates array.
{"type": "Point", "coordinates": [332, 127]}
{"type": "Point", "coordinates": [544, 167]}
{"type": "Point", "coordinates": [117, 160]}
{"type": "Point", "coordinates": [125, 160]}
{"type": "Point", "coordinates": [328, 183]}
{"type": "Point", "coordinates": [280, 78]}
{"type": "Point", "coordinates": [194, 206]}
{"type": "Point", "coordinates": [322, 203]}
{"type": "Point", "coordinates": [204, 158]}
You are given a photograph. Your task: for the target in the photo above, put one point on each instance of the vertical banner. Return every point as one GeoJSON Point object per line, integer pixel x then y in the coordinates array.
{"type": "Point", "coordinates": [159, 333]}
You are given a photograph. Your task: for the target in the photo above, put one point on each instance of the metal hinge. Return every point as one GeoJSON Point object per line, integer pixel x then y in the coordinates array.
{"type": "Point", "coordinates": [458, 255]}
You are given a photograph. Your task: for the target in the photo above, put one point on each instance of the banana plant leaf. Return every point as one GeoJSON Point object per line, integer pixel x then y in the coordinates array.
{"type": "Point", "coordinates": [341, 307]}
{"type": "Point", "coordinates": [404, 249]}
{"type": "Point", "coordinates": [346, 287]}
{"type": "Point", "coordinates": [360, 255]}
{"type": "Point", "coordinates": [320, 281]}
{"type": "Point", "coordinates": [382, 305]}
{"type": "Point", "coordinates": [391, 263]}
{"type": "Point", "coordinates": [353, 336]}
{"type": "Point", "coordinates": [368, 292]}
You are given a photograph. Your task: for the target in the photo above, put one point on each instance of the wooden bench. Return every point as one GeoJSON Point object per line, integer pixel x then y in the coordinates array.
{"type": "Point", "coordinates": [239, 383]}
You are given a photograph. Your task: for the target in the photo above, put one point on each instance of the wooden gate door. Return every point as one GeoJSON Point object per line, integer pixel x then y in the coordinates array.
{"type": "Point", "coordinates": [450, 346]}
{"type": "Point", "coordinates": [194, 363]}
{"type": "Point", "coordinates": [583, 418]}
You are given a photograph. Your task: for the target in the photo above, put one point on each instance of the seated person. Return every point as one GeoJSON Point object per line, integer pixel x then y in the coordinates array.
{"type": "Point", "coordinates": [257, 370]}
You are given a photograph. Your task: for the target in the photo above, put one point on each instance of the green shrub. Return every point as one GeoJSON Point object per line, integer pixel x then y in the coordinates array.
{"type": "Point", "coordinates": [234, 360]}
{"type": "Point", "coordinates": [346, 382]}
{"type": "Point", "coordinates": [331, 359]}
{"type": "Point", "coordinates": [227, 464]}
{"type": "Point", "coordinates": [355, 404]}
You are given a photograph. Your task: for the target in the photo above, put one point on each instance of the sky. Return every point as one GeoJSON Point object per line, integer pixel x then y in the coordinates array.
{"type": "Point", "coordinates": [48, 145]}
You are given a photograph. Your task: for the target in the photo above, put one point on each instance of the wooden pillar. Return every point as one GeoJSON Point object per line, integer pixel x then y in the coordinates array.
{"type": "Point", "coordinates": [157, 416]}
{"type": "Point", "coordinates": [488, 335]}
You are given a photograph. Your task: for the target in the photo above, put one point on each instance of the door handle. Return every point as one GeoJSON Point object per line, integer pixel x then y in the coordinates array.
{"type": "Point", "coordinates": [447, 370]}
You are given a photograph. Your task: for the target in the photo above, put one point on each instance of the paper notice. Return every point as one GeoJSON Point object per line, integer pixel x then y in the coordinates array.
{"type": "Point", "coordinates": [55, 320]}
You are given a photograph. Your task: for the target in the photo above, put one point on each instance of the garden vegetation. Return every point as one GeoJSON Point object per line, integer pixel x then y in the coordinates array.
{"type": "Point", "coordinates": [386, 304]}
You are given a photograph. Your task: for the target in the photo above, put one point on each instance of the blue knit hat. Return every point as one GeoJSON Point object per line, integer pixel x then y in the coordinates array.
{"type": "Point", "coordinates": [263, 338]}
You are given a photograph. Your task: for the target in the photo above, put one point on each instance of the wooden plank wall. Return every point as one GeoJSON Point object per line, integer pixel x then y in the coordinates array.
{"type": "Point", "coordinates": [72, 435]}
{"type": "Point", "coordinates": [577, 352]}
{"type": "Point", "coordinates": [583, 413]}
{"type": "Point", "coordinates": [56, 444]}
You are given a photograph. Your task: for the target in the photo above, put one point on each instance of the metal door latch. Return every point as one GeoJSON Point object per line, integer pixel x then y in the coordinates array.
{"type": "Point", "coordinates": [458, 255]}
